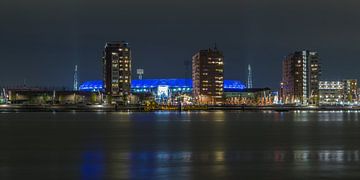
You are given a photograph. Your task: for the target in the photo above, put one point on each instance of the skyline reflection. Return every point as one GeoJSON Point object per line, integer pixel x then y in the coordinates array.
{"type": "Point", "coordinates": [179, 145]}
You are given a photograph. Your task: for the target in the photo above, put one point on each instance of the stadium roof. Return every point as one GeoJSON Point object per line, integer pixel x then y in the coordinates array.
{"type": "Point", "coordinates": [97, 85]}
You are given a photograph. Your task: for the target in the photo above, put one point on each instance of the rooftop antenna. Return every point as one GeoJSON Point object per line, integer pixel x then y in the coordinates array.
{"type": "Point", "coordinates": [249, 81]}
{"type": "Point", "coordinates": [76, 78]}
{"type": "Point", "coordinates": [24, 84]}
{"type": "Point", "coordinates": [140, 72]}
{"type": "Point", "coordinates": [187, 64]}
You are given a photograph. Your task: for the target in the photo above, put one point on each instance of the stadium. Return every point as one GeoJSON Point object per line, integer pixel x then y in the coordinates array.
{"type": "Point", "coordinates": [160, 85]}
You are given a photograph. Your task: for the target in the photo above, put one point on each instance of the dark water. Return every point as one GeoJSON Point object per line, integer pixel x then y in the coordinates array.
{"type": "Point", "coordinates": [197, 145]}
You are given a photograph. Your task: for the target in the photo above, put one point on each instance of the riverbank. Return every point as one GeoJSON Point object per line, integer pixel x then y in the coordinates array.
{"type": "Point", "coordinates": [112, 108]}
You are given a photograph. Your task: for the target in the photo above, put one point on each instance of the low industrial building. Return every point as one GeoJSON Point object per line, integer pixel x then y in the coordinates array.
{"type": "Point", "coordinates": [252, 96]}
{"type": "Point", "coordinates": [43, 96]}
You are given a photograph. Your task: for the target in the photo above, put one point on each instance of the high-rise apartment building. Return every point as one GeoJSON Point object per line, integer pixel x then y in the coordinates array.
{"type": "Point", "coordinates": [300, 78]}
{"type": "Point", "coordinates": [117, 71]}
{"type": "Point", "coordinates": [208, 76]}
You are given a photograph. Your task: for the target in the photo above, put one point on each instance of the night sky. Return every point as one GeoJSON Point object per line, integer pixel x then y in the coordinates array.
{"type": "Point", "coordinates": [42, 40]}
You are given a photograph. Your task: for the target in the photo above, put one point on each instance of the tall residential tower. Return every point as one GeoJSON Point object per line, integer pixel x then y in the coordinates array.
{"type": "Point", "coordinates": [117, 71]}
{"type": "Point", "coordinates": [300, 78]}
{"type": "Point", "coordinates": [208, 76]}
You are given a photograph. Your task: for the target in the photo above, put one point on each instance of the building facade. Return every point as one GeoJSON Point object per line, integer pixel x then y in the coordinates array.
{"type": "Point", "coordinates": [117, 72]}
{"type": "Point", "coordinates": [350, 91]}
{"type": "Point", "coordinates": [208, 76]}
{"type": "Point", "coordinates": [250, 97]}
{"type": "Point", "coordinates": [331, 92]}
{"type": "Point", "coordinates": [300, 78]}
{"type": "Point", "coordinates": [163, 91]}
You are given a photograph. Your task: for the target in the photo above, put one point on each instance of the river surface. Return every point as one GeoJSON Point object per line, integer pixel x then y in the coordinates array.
{"type": "Point", "coordinates": [186, 145]}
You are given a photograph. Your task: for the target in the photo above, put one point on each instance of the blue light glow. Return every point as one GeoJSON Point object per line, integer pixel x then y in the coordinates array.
{"type": "Point", "coordinates": [153, 83]}
{"type": "Point", "coordinates": [146, 84]}
{"type": "Point", "coordinates": [92, 86]}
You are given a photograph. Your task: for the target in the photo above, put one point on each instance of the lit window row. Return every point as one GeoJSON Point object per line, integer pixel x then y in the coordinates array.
{"type": "Point", "coordinates": [215, 62]}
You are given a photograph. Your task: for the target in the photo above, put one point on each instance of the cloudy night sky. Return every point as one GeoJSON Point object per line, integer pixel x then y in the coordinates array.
{"type": "Point", "coordinates": [42, 40]}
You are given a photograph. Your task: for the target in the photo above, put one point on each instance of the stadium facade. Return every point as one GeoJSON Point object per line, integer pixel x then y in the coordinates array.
{"type": "Point", "coordinates": [160, 86]}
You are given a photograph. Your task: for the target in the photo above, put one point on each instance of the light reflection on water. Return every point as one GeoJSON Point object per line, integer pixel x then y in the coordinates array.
{"type": "Point", "coordinates": [327, 116]}
{"type": "Point", "coordinates": [179, 145]}
{"type": "Point", "coordinates": [222, 156]}
{"type": "Point", "coordinates": [93, 165]}
{"type": "Point", "coordinates": [155, 164]}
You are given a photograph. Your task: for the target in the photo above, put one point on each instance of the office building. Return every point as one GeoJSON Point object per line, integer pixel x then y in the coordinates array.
{"type": "Point", "coordinates": [331, 92]}
{"type": "Point", "coordinates": [350, 91]}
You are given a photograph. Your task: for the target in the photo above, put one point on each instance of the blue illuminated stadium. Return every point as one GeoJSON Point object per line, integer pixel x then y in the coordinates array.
{"type": "Point", "coordinates": [145, 85]}
{"type": "Point", "coordinates": [92, 86]}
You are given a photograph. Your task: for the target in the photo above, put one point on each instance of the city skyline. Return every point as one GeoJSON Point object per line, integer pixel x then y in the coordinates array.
{"type": "Point", "coordinates": [44, 49]}
{"type": "Point", "coordinates": [179, 89]}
